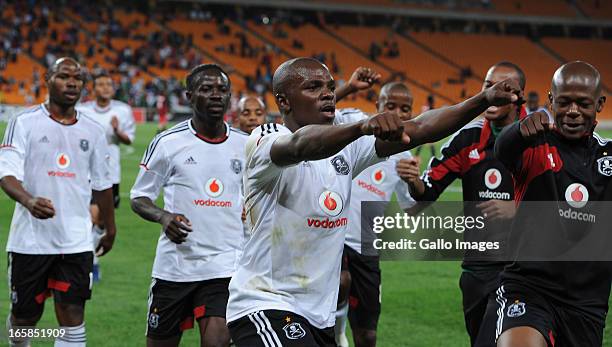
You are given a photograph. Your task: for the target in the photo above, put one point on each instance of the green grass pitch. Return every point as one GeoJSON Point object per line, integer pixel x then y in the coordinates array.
{"type": "Point", "coordinates": [421, 301]}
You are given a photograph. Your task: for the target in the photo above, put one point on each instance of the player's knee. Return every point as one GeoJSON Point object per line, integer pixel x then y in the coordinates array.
{"type": "Point", "coordinates": [218, 338]}
{"type": "Point", "coordinates": [216, 334]}
{"type": "Point", "coordinates": [219, 341]}
{"type": "Point", "coordinates": [521, 337]}
{"type": "Point", "coordinates": [365, 338]}
{"type": "Point", "coordinates": [69, 314]}
{"type": "Point", "coordinates": [16, 321]}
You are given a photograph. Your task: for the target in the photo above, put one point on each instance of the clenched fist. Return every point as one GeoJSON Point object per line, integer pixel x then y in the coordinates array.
{"type": "Point", "coordinates": [537, 123]}
{"type": "Point", "coordinates": [386, 126]}
{"type": "Point", "coordinates": [363, 78]}
{"type": "Point", "coordinates": [503, 93]}
{"type": "Point", "coordinates": [409, 169]}
{"type": "Point", "coordinates": [40, 208]}
{"type": "Point", "coordinates": [176, 227]}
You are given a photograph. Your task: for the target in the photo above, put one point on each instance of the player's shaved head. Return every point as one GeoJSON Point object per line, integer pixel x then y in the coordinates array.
{"type": "Point", "coordinates": [251, 113]}
{"type": "Point", "coordinates": [394, 87]}
{"type": "Point", "coordinates": [293, 71]}
{"type": "Point", "coordinates": [577, 73]}
{"type": "Point", "coordinates": [575, 99]}
{"type": "Point", "coordinates": [248, 99]}
{"type": "Point", "coordinates": [395, 97]}
{"type": "Point", "coordinates": [304, 92]}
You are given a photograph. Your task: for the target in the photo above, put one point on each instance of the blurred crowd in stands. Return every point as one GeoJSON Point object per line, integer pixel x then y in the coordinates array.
{"type": "Point", "coordinates": [93, 33]}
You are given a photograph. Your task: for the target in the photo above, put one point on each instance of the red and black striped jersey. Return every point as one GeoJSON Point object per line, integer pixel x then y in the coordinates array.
{"type": "Point", "coordinates": [469, 156]}
{"type": "Point", "coordinates": [565, 178]}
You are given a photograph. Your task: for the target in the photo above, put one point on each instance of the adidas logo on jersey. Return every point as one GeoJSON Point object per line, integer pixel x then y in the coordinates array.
{"type": "Point", "coordinates": [190, 161]}
{"type": "Point", "coordinates": [474, 154]}
{"type": "Point", "coordinates": [43, 139]}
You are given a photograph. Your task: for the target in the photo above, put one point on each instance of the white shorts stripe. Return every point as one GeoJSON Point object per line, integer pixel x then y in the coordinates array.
{"type": "Point", "coordinates": [258, 326]}
{"type": "Point", "coordinates": [269, 328]}
{"type": "Point", "coordinates": [149, 303]}
{"type": "Point", "coordinates": [501, 300]}
{"type": "Point", "coordinates": [264, 329]}
{"type": "Point", "coordinates": [10, 285]}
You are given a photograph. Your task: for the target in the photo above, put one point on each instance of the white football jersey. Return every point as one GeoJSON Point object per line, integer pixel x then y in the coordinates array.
{"type": "Point", "coordinates": [62, 163]}
{"type": "Point", "coordinates": [203, 181]}
{"type": "Point", "coordinates": [299, 215]}
{"type": "Point", "coordinates": [376, 183]}
{"type": "Point", "coordinates": [124, 115]}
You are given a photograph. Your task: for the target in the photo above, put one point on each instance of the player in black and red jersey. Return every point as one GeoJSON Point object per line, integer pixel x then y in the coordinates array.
{"type": "Point", "coordinates": [557, 303]}
{"type": "Point", "coordinates": [469, 156]}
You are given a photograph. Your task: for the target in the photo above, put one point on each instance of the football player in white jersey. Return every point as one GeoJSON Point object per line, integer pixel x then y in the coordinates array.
{"type": "Point", "coordinates": [52, 160]}
{"type": "Point", "coordinates": [251, 114]}
{"type": "Point", "coordinates": [198, 164]}
{"type": "Point", "coordinates": [297, 183]}
{"type": "Point", "coordinates": [360, 280]}
{"type": "Point", "coordinates": [118, 121]}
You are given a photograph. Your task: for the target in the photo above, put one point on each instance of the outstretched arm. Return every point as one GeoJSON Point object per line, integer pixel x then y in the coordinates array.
{"type": "Point", "coordinates": [314, 142]}
{"type": "Point", "coordinates": [436, 124]}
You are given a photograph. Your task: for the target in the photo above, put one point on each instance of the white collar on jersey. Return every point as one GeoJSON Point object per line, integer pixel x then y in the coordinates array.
{"type": "Point", "coordinates": [44, 109]}
{"type": "Point", "coordinates": [99, 109]}
{"type": "Point", "coordinates": [213, 141]}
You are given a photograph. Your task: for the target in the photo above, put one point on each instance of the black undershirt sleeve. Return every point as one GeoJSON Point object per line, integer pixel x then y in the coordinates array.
{"type": "Point", "coordinates": [509, 147]}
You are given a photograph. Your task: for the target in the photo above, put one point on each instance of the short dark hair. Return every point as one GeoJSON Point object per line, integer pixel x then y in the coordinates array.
{"type": "Point", "coordinates": [191, 76]}
{"type": "Point", "coordinates": [55, 66]}
{"type": "Point", "coordinates": [100, 74]}
{"type": "Point", "coordinates": [519, 71]}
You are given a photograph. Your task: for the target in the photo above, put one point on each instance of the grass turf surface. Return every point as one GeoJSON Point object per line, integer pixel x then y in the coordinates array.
{"type": "Point", "coordinates": [421, 301]}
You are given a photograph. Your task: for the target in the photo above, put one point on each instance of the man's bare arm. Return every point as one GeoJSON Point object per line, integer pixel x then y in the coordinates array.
{"type": "Point", "coordinates": [104, 200]}
{"type": "Point", "coordinates": [175, 225]}
{"type": "Point", "coordinates": [314, 142]}
{"type": "Point", "coordinates": [39, 207]}
{"type": "Point", "coordinates": [436, 124]}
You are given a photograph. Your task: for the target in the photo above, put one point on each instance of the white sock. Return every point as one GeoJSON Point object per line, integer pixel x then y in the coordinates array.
{"type": "Point", "coordinates": [340, 328]}
{"type": "Point", "coordinates": [73, 337]}
{"type": "Point", "coordinates": [15, 342]}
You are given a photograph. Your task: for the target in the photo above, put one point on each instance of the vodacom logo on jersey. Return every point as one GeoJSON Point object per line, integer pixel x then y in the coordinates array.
{"type": "Point", "coordinates": [214, 189]}
{"type": "Point", "coordinates": [331, 203]}
{"type": "Point", "coordinates": [62, 161]}
{"type": "Point", "coordinates": [378, 176]}
{"type": "Point", "coordinates": [492, 178]}
{"type": "Point", "coordinates": [576, 195]}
